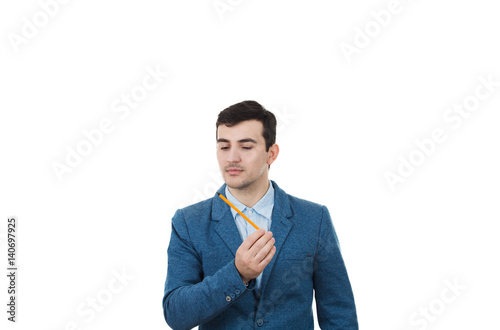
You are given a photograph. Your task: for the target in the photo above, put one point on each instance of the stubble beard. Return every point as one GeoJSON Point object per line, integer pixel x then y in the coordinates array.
{"type": "Point", "coordinates": [241, 186]}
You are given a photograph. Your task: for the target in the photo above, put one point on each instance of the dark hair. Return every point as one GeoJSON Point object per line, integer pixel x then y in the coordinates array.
{"type": "Point", "coordinates": [248, 110]}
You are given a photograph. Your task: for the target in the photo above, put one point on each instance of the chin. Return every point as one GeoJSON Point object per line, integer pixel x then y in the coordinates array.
{"type": "Point", "coordinates": [237, 185]}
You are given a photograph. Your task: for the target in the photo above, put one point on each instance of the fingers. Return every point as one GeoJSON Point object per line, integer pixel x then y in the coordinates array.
{"type": "Point", "coordinates": [251, 239]}
{"type": "Point", "coordinates": [261, 243]}
{"type": "Point", "coordinates": [269, 257]}
{"type": "Point", "coordinates": [263, 252]}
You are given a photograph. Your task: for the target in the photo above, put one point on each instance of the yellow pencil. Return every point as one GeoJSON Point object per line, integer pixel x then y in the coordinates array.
{"type": "Point", "coordinates": [236, 209]}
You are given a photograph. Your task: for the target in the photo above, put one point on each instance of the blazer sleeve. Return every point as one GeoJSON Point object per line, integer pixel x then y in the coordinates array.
{"type": "Point", "coordinates": [334, 297]}
{"type": "Point", "coordinates": [190, 298]}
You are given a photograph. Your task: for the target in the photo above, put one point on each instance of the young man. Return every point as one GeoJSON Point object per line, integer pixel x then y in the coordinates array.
{"type": "Point", "coordinates": [225, 274]}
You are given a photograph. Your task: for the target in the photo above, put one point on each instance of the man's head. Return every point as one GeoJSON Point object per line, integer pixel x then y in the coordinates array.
{"type": "Point", "coordinates": [246, 148]}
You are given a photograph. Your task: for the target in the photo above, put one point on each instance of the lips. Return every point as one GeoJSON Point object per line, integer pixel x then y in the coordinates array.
{"type": "Point", "coordinates": [234, 171]}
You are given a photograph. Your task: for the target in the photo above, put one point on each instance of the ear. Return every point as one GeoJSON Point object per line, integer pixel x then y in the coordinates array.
{"type": "Point", "coordinates": [273, 152]}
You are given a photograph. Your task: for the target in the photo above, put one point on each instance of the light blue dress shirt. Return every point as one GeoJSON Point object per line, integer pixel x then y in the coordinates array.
{"type": "Point", "coordinates": [260, 214]}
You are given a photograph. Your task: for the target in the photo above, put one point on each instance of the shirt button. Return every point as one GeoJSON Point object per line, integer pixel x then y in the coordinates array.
{"type": "Point", "coordinates": [237, 291]}
{"type": "Point", "coordinates": [250, 212]}
{"type": "Point", "coordinates": [260, 322]}
{"type": "Point", "coordinates": [228, 298]}
{"type": "Point", "coordinates": [232, 295]}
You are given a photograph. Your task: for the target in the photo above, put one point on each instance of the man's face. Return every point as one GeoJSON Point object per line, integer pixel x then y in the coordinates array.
{"type": "Point", "coordinates": [242, 156]}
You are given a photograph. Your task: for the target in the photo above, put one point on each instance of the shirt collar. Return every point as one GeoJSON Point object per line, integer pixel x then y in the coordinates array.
{"type": "Point", "coordinates": [264, 206]}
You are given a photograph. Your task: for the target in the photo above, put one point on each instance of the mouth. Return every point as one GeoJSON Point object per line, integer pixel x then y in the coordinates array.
{"type": "Point", "coordinates": [234, 171]}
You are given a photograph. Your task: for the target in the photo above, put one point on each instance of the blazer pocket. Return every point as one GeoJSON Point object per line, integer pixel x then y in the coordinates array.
{"type": "Point", "coordinates": [297, 255]}
{"type": "Point", "coordinates": [298, 264]}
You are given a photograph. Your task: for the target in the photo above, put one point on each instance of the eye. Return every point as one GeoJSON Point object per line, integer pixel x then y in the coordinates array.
{"type": "Point", "coordinates": [247, 148]}
{"type": "Point", "coordinates": [224, 148]}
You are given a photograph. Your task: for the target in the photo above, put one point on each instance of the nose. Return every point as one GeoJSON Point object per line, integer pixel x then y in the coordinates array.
{"type": "Point", "coordinates": [233, 156]}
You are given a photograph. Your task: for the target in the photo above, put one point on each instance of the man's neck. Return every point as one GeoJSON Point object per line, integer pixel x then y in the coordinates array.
{"type": "Point", "coordinates": [251, 195]}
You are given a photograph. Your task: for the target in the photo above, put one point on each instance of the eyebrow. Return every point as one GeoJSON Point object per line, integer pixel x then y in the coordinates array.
{"type": "Point", "coordinates": [239, 141]}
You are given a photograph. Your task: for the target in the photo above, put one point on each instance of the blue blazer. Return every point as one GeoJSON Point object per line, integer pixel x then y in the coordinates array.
{"type": "Point", "coordinates": [203, 286]}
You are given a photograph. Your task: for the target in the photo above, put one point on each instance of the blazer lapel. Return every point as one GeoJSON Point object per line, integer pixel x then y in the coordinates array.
{"type": "Point", "coordinates": [280, 227]}
{"type": "Point", "coordinates": [226, 227]}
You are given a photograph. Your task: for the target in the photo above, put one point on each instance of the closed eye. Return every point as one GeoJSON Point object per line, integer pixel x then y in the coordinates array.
{"type": "Point", "coordinates": [246, 148]}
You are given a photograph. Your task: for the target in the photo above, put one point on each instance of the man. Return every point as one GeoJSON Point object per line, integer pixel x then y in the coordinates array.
{"type": "Point", "coordinates": [225, 274]}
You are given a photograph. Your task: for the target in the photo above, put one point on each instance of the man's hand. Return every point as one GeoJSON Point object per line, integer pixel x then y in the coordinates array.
{"type": "Point", "coordinates": [254, 254]}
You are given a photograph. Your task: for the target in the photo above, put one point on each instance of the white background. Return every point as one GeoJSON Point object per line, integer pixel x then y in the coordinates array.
{"type": "Point", "coordinates": [342, 126]}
